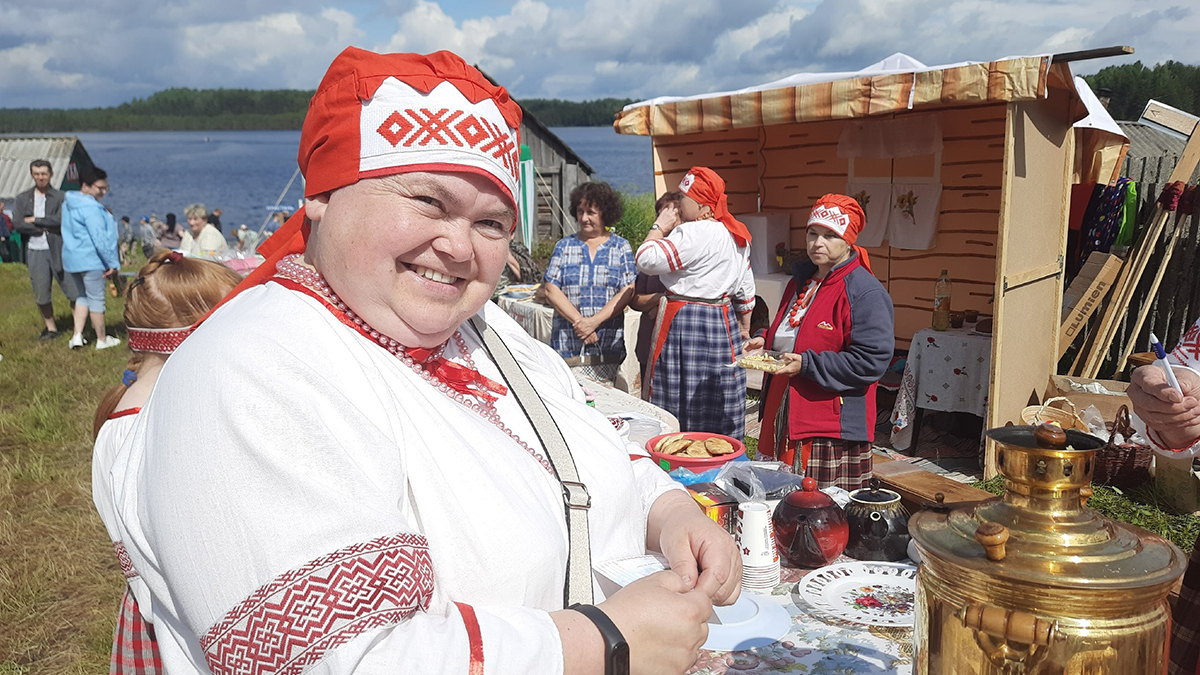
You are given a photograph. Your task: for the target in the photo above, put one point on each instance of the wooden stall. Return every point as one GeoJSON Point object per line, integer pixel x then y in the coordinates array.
{"type": "Point", "coordinates": [1003, 155]}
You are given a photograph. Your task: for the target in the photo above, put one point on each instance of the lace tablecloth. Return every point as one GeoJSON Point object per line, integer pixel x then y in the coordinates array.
{"type": "Point", "coordinates": [946, 370]}
{"type": "Point", "coordinates": [816, 644]}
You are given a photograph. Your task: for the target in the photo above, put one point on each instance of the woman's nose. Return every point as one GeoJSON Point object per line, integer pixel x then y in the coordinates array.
{"type": "Point", "coordinates": [455, 241]}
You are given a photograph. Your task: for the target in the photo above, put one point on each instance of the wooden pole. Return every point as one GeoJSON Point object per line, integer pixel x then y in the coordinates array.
{"type": "Point", "coordinates": [1135, 265]}
{"type": "Point", "coordinates": [1151, 297]}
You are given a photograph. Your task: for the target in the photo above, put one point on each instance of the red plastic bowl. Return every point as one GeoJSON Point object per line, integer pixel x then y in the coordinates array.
{"type": "Point", "coordinates": [694, 464]}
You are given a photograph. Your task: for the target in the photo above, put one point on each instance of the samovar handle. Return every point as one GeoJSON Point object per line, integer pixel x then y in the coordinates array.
{"type": "Point", "coordinates": [1010, 637]}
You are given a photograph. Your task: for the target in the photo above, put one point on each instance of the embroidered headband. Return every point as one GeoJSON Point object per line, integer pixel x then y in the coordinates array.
{"type": "Point", "coordinates": [844, 216]}
{"type": "Point", "coordinates": [706, 187]}
{"type": "Point", "coordinates": [381, 114]}
{"type": "Point", "coordinates": [157, 340]}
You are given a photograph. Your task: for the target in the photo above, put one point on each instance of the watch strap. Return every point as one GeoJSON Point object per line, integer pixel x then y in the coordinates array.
{"type": "Point", "coordinates": [616, 649]}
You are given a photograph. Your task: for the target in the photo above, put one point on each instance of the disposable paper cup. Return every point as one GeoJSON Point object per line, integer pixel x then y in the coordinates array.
{"type": "Point", "coordinates": [755, 535]}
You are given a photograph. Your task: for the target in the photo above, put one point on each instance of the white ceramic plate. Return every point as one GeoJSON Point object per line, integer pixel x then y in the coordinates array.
{"type": "Point", "coordinates": [752, 621]}
{"type": "Point", "coordinates": [872, 593]}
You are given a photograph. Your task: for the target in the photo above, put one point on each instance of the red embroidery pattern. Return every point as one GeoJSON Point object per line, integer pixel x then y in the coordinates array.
{"type": "Point", "coordinates": [292, 621]}
{"type": "Point", "coordinates": [123, 558]}
{"type": "Point", "coordinates": [422, 126]}
{"type": "Point", "coordinates": [157, 340]}
{"type": "Point", "coordinates": [1188, 349]}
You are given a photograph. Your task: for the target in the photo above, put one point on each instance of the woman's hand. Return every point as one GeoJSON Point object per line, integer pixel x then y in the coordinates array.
{"type": "Point", "coordinates": [668, 218]}
{"type": "Point", "coordinates": [663, 620]}
{"type": "Point", "coordinates": [791, 365]}
{"type": "Point", "coordinates": [701, 552]}
{"type": "Point", "coordinates": [754, 343]}
{"type": "Point", "coordinates": [1175, 417]}
{"type": "Point", "coordinates": [586, 326]}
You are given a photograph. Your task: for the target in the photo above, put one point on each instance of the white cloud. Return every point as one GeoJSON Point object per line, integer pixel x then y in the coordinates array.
{"type": "Point", "coordinates": [547, 48]}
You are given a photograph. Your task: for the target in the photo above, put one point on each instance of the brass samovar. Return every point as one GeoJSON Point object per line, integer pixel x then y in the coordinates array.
{"type": "Point", "coordinates": [1035, 583]}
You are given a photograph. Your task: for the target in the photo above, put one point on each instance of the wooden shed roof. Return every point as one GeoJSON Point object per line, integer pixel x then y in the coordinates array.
{"type": "Point", "coordinates": [17, 153]}
{"type": "Point", "coordinates": [896, 84]}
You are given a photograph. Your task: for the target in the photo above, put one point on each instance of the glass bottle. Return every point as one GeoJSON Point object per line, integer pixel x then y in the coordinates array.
{"type": "Point", "coordinates": [941, 302]}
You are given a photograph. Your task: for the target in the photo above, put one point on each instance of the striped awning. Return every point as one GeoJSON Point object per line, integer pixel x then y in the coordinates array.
{"type": "Point", "coordinates": [847, 95]}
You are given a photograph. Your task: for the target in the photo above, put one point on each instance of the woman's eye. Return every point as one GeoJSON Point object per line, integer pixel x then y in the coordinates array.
{"type": "Point", "coordinates": [491, 224]}
{"type": "Point", "coordinates": [428, 200]}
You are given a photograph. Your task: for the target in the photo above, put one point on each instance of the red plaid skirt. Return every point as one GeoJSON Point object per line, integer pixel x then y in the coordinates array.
{"type": "Point", "coordinates": [135, 651]}
{"type": "Point", "coordinates": [832, 461]}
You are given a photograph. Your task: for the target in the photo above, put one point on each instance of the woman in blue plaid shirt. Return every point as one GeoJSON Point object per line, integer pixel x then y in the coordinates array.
{"type": "Point", "coordinates": [589, 281]}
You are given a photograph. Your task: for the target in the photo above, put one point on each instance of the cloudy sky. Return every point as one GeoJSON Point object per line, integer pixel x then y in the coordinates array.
{"type": "Point", "coordinates": [68, 53]}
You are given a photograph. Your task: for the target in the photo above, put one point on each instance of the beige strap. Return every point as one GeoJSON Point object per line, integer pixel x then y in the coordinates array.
{"type": "Point", "coordinates": [576, 499]}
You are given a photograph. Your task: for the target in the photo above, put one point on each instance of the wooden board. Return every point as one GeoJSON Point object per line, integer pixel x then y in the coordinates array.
{"type": "Point", "coordinates": [1033, 237]}
{"type": "Point", "coordinates": [918, 487]}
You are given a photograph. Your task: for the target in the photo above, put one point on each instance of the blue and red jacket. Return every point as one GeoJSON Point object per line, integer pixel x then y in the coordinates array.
{"type": "Point", "coordinates": [847, 340]}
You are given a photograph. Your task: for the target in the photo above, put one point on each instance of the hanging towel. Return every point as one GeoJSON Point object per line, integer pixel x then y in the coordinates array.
{"type": "Point", "coordinates": [1128, 216]}
{"type": "Point", "coordinates": [912, 221]}
{"type": "Point", "coordinates": [875, 200]}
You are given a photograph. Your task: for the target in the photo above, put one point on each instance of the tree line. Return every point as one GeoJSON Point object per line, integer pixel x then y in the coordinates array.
{"type": "Point", "coordinates": [1130, 86]}
{"type": "Point", "coordinates": [184, 109]}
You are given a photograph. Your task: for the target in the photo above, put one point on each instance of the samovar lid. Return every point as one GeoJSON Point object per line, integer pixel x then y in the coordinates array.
{"type": "Point", "coordinates": [1040, 531]}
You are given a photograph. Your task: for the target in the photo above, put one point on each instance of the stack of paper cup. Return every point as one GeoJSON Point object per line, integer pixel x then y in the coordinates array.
{"type": "Point", "coordinates": [756, 539]}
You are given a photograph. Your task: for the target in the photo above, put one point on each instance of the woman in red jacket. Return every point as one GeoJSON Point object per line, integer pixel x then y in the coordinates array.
{"type": "Point", "coordinates": [835, 325]}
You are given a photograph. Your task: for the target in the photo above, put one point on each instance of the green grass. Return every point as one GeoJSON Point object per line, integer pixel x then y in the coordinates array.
{"type": "Point", "coordinates": [1140, 506]}
{"type": "Point", "coordinates": [60, 583]}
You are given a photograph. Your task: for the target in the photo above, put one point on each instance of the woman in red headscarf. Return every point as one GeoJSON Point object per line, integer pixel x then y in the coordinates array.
{"type": "Point", "coordinates": [835, 325]}
{"type": "Point", "coordinates": [701, 254]}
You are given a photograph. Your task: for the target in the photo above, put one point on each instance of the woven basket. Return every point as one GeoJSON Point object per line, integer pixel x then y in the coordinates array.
{"type": "Point", "coordinates": [1125, 465]}
{"type": "Point", "coordinates": [1036, 414]}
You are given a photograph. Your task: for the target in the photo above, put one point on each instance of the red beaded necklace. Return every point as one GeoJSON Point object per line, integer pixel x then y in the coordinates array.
{"type": "Point", "coordinates": [803, 299]}
{"type": "Point", "coordinates": [453, 380]}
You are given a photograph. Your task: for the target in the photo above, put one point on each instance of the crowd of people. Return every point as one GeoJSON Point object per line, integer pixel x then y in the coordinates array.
{"type": "Point", "coordinates": [69, 238]}
{"type": "Point", "coordinates": [437, 514]}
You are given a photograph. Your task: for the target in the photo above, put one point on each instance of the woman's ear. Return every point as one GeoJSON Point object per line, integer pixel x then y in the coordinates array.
{"type": "Point", "coordinates": [314, 209]}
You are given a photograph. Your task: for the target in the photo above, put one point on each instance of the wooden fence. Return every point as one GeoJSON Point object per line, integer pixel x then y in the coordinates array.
{"type": "Point", "coordinates": [1176, 306]}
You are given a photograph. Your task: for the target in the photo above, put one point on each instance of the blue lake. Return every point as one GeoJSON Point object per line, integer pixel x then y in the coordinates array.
{"type": "Point", "coordinates": [241, 172]}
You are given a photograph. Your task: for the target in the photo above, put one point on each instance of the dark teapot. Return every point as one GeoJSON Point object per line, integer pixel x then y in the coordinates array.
{"type": "Point", "coordinates": [878, 524]}
{"type": "Point", "coordinates": [810, 529]}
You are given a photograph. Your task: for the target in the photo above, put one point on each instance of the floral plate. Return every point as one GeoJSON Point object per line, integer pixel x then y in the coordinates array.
{"type": "Point", "coordinates": [872, 593]}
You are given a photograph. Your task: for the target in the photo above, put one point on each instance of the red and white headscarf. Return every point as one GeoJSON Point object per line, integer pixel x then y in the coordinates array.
{"type": "Point", "coordinates": [845, 217]}
{"type": "Point", "coordinates": [382, 114]}
{"type": "Point", "coordinates": [706, 187]}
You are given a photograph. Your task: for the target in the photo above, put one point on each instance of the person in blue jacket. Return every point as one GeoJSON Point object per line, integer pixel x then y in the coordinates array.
{"type": "Point", "coordinates": [90, 253]}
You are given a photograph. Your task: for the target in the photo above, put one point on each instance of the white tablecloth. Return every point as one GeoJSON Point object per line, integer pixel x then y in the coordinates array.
{"type": "Point", "coordinates": [537, 320]}
{"type": "Point", "coordinates": [534, 317]}
{"type": "Point", "coordinates": [946, 370]}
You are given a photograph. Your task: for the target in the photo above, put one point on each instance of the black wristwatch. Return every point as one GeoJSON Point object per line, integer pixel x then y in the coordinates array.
{"type": "Point", "coordinates": [616, 649]}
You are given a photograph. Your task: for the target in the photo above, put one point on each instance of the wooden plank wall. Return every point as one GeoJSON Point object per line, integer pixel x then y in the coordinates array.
{"type": "Point", "coordinates": [797, 163]}
{"type": "Point", "coordinates": [731, 153]}
{"type": "Point", "coordinates": [968, 222]}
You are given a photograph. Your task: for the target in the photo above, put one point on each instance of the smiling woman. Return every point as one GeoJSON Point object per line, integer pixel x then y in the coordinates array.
{"type": "Point", "coordinates": [393, 498]}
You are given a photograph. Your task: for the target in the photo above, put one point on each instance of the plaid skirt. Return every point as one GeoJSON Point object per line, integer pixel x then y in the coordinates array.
{"type": "Point", "coordinates": [690, 376]}
{"type": "Point", "coordinates": [134, 651]}
{"type": "Point", "coordinates": [1185, 636]}
{"type": "Point", "coordinates": [832, 461]}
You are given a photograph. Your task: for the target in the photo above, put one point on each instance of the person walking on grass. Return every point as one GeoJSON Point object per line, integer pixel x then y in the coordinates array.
{"type": "Point", "coordinates": [37, 215]}
{"type": "Point", "coordinates": [90, 253]}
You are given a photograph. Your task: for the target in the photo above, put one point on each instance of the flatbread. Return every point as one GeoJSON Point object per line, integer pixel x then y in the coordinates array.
{"type": "Point", "coordinates": [718, 446]}
{"type": "Point", "coordinates": [677, 446]}
{"type": "Point", "coordinates": [696, 449]}
{"type": "Point", "coordinates": [662, 442]}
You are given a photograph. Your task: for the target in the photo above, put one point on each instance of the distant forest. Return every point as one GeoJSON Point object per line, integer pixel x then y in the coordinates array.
{"type": "Point", "coordinates": [183, 109]}
{"type": "Point", "coordinates": [1130, 86]}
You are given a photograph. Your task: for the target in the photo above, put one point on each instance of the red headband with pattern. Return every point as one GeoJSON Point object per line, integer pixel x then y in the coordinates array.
{"type": "Point", "coordinates": [157, 340]}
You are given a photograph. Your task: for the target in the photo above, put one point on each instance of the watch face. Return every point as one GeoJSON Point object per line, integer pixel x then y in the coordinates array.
{"type": "Point", "coordinates": [619, 659]}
